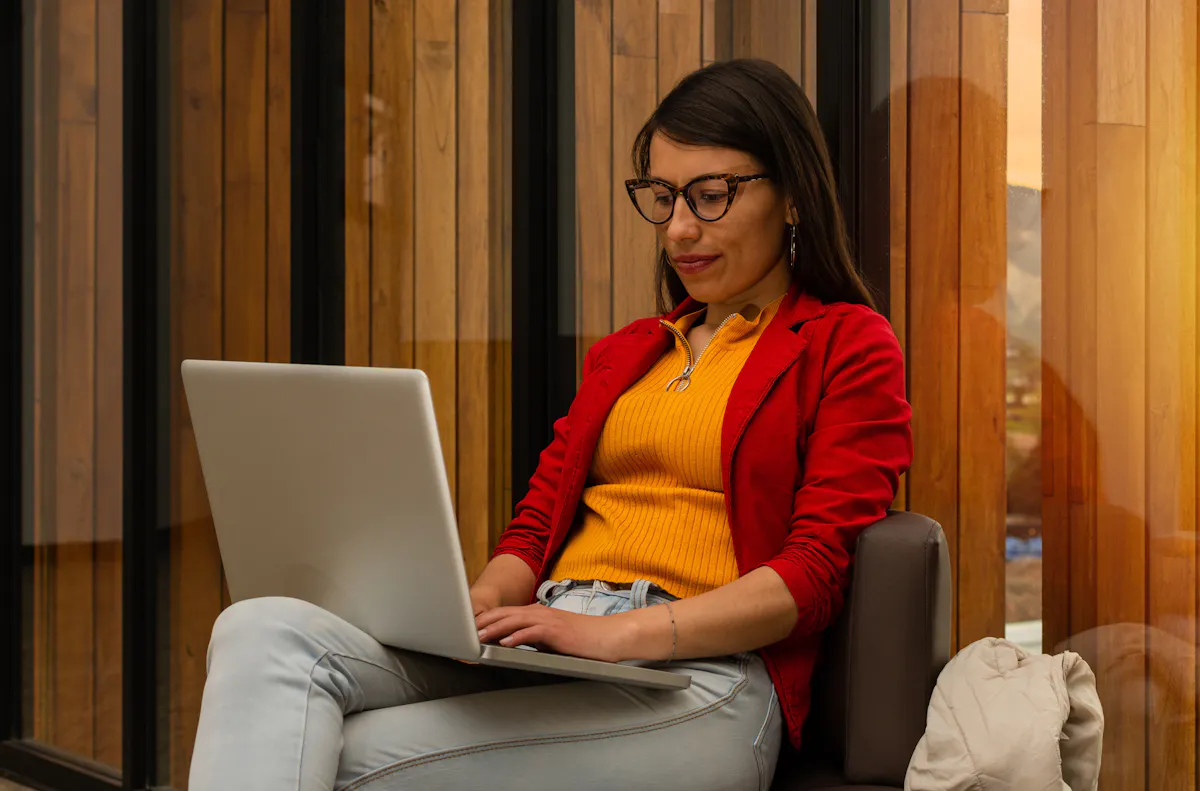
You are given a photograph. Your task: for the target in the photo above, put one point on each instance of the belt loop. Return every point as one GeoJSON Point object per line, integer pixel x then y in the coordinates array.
{"type": "Point", "coordinates": [637, 595]}
{"type": "Point", "coordinates": [546, 589]}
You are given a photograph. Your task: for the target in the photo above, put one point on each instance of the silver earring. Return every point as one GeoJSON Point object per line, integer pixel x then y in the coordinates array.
{"type": "Point", "coordinates": [792, 257]}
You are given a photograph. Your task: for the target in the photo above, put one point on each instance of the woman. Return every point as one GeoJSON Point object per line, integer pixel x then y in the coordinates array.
{"type": "Point", "coordinates": [704, 493]}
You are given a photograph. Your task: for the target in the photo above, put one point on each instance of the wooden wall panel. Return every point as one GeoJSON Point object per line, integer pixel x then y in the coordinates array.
{"type": "Point", "coordinates": [679, 43]}
{"type": "Point", "coordinates": [1056, 503]}
{"type": "Point", "coordinates": [634, 69]}
{"type": "Point", "coordinates": [593, 167]}
{"type": "Point", "coordinates": [107, 726]}
{"type": "Point", "coordinates": [245, 182]}
{"type": "Point", "coordinates": [45, 114]}
{"type": "Point", "coordinates": [1081, 332]}
{"type": "Point", "coordinates": [809, 46]}
{"type": "Point", "coordinates": [933, 240]}
{"type": "Point", "coordinates": [231, 282]}
{"type": "Point", "coordinates": [393, 186]}
{"type": "Point", "coordinates": [1121, 427]}
{"type": "Point", "coordinates": [359, 164]}
{"type": "Point", "coordinates": [1119, 275]}
{"type": "Point", "coordinates": [774, 30]}
{"type": "Point", "coordinates": [72, 610]}
{"type": "Point", "coordinates": [65, 644]}
{"type": "Point", "coordinates": [476, 286]}
{"type": "Point", "coordinates": [1171, 395]}
{"type": "Point", "coordinates": [279, 181]}
{"type": "Point", "coordinates": [198, 289]}
{"type": "Point", "coordinates": [983, 243]}
{"type": "Point", "coordinates": [77, 346]}
{"type": "Point", "coordinates": [898, 187]}
{"type": "Point", "coordinates": [427, 228]}
{"type": "Point", "coordinates": [1121, 63]}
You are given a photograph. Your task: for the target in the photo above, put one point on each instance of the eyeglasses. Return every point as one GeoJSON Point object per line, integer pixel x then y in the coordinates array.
{"type": "Point", "coordinates": [709, 197]}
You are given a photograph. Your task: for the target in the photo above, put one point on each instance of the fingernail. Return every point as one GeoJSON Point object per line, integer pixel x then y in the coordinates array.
{"type": "Point", "coordinates": [506, 641]}
{"type": "Point", "coordinates": [482, 632]}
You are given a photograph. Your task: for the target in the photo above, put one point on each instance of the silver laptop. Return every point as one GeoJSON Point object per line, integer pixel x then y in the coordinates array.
{"type": "Point", "coordinates": [327, 484]}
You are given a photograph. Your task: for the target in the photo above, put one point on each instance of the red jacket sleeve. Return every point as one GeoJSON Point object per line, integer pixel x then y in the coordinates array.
{"type": "Point", "coordinates": [860, 443]}
{"type": "Point", "coordinates": [528, 534]}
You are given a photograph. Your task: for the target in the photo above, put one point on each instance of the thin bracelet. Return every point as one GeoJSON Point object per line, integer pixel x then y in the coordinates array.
{"type": "Point", "coordinates": [671, 612]}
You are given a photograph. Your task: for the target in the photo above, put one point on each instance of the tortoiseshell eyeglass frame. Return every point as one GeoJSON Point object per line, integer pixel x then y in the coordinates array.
{"type": "Point", "coordinates": [731, 179]}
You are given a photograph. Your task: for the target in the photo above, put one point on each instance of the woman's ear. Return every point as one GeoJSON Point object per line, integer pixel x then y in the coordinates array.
{"type": "Point", "coordinates": [793, 216]}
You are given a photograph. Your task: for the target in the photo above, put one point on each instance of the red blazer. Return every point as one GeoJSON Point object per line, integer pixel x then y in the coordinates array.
{"type": "Point", "coordinates": [815, 437]}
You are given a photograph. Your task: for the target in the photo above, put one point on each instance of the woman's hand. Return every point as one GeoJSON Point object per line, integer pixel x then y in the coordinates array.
{"type": "Point", "coordinates": [603, 637]}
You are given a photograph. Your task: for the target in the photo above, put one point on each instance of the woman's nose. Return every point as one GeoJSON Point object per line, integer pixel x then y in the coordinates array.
{"type": "Point", "coordinates": [683, 224]}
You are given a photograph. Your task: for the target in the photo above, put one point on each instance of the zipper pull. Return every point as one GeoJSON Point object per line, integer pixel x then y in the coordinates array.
{"type": "Point", "coordinates": [684, 379]}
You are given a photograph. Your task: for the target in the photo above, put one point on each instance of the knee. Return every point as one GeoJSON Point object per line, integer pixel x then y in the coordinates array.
{"type": "Point", "coordinates": [262, 624]}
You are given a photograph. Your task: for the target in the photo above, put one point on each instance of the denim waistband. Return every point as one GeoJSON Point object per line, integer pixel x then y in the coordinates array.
{"type": "Point", "coordinates": [640, 592]}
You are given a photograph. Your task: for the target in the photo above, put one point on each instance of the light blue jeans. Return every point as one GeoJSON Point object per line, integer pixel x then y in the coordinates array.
{"type": "Point", "coordinates": [299, 700]}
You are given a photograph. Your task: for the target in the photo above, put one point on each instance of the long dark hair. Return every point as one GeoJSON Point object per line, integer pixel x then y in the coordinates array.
{"type": "Point", "coordinates": [755, 107]}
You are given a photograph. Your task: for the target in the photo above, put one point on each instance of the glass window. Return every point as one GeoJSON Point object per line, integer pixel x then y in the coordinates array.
{"type": "Point", "coordinates": [1045, 157]}
{"type": "Point", "coordinates": [73, 371]}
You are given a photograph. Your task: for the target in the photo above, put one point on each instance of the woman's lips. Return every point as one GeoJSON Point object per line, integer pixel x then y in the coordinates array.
{"type": "Point", "coordinates": [693, 264]}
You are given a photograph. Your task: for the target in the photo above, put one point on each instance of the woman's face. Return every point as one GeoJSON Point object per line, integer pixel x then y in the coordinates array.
{"type": "Point", "coordinates": [739, 258]}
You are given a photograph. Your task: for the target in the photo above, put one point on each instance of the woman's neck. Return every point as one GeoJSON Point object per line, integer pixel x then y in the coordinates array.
{"type": "Point", "coordinates": [753, 300]}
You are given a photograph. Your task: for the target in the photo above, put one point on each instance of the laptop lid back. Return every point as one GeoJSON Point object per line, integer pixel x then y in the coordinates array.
{"type": "Point", "coordinates": [327, 484]}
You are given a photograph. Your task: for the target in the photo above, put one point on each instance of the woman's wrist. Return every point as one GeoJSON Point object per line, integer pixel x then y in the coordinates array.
{"type": "Point", "coordinates": [649, 633]}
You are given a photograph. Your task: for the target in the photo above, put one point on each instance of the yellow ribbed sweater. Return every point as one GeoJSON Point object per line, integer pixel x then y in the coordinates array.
{"type": "Point", "coordinates": [654, 505]}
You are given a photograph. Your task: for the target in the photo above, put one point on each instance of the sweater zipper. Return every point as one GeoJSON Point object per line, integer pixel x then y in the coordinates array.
{"type": "Point", "coordinates": [684, 379]}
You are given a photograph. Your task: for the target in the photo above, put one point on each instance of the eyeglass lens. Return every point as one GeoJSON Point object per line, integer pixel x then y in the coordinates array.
{"type": "Point", "coordinates": [708, 199]}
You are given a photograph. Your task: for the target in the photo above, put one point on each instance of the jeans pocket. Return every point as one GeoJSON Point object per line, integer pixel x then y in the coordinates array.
{"type": "Point", "coordinates": [768, 743]}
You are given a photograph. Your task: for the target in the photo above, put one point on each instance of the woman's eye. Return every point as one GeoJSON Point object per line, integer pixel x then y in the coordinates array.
{"type": "Point", "coordinates": [712, 197]}
{"type": "Point", "coordinates": [662, 200]}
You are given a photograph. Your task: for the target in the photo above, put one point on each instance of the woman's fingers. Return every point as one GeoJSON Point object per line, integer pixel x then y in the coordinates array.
{"type": "Point", "coordinates": [531, 635]}
{"type": "Point", "coordinates": [509, 624]}
{"type": "Point", "coordinates": [490, 617]}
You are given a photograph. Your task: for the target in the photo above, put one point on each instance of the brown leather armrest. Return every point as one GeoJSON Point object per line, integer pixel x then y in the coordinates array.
{"type": "Point", "coordinates": [884, 653]}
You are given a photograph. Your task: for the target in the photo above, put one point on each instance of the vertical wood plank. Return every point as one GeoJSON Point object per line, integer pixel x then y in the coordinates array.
{"type": "Point", "coordinates": [593, 168]}
{"type": "Point", "coordinates": [722, 25]}
{"type": "Point", "coordinates": [245, 185]}
{"type": "Point", "coordinates": [501, 167]}
{"type": "Point", "coordinates": [72, 609]}
{"type": "Point", "coordinates": [985, 6]}
{"type": "Point", "coordinates": [358, 183]}
{"type": "Point", "coordinates": [934, 242]}
{"type": "Point", "coordinates": [982, 327]}
{"type": "Point", "coordinates": [678, 42]}
{"type": "Point", "coordinates": [197, 285]}
{"type": "Point", "coordinates": [279, 179]}
{"type": "Point", "coordinates": [633, 239]}
{"type": "Point", "coordinates": [897, 185]}
{"type": "Point", "coordinates": [245, 247]}
{"type": "Point", "coordinates": [475, 262]}
{"type": "Point", "coordinates": [392, 183]}
{"type": "Point", "coordinates": [1121, 429]}
{"type": "Point", "coordinates": [809, 46]}
{"type": "Point", "coordinates": [45, 275]}
{"type": "Point", "coordinates": [708, 32]}
{"type": "Point", "coordinates": [73, 631]}
{"type": "Point", "coordinates": [1171, 114]}
{"type": "Point", "coordinates": [1081, 332]}
{"type": "Point", "coordinates": [772, 30]}
{"type": "Point", "coordinates": [107, 728]}
{"type": "Point", "coordinates": [1121, 62]}
{"type": "Point", "coordinates": [435, 139]}
{"type": "Point", "coordinates": [246, 251]}
{"type": "Point", "coordinates": [1056, 534]}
